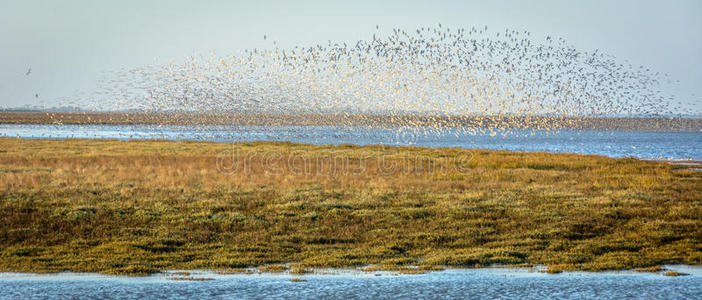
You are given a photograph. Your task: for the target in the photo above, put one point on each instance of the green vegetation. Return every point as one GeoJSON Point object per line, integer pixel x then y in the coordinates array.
{"type": "Point", "coordinates": [143, 206]}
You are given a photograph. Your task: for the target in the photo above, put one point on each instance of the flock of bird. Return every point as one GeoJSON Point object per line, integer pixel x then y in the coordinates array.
{"type": "Point", "coordinates": [428, 79]}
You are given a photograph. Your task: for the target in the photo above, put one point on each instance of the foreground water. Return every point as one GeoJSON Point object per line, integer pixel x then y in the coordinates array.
{"type": "Point", "coordinates": [614, 143]}
{"type": "Point", "coordinates": [478, 283]}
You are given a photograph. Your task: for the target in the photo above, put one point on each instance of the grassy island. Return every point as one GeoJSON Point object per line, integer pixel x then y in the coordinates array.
{"type": "Point", "coordinates": [137, 207]}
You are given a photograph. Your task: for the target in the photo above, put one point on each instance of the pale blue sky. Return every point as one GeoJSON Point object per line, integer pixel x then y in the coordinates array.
{"type": "Point", "coordinates": [68, 43]}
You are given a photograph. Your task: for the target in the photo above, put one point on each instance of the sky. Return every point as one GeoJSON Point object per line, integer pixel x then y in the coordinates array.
{"type": "Point", "coordinates": [68, 43]}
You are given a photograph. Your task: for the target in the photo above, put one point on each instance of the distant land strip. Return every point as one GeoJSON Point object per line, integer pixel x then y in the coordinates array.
{"type": "Point", "coordinates": [436, 121]}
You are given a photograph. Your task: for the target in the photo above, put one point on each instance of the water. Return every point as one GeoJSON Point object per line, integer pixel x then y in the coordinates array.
{"type": "Point", "coordinates": [482, 283]}
{"type": "Point", "coordinates": [613, 143]}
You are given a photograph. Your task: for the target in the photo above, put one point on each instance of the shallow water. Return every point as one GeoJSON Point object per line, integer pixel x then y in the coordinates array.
{"type": "Point", "coordinates": [613, 143]}
{"type": "Point", "coordinates": [490, 283]}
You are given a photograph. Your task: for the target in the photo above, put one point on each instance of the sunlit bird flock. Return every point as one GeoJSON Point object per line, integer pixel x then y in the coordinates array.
{"type": "Point", "coordinates": [429, 79]}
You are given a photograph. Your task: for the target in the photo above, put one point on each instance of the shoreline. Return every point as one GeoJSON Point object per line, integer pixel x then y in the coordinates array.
{"type": "Point", "coordinates": [692, 163]}
{"type": "Point", "coordinates": [685, 124]}
{"type": "Point", "coordinates": [205, 275]}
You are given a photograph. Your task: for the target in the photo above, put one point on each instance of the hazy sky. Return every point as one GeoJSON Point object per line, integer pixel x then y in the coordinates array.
{"type": "Point", "coordinates": [68, 43]}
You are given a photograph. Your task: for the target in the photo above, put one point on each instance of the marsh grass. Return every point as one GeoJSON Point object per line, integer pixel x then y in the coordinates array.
{"type": "Point", "coordinates": [674, 274]}
{"type": "Point", "coordinates": [139, 207]}
{"type": "Point", "coordinates": [275, 268]}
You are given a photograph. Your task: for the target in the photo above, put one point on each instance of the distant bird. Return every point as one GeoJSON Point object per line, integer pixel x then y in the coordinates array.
{"type": "Point", "coordinates": [36, 95]}
{"type": "Point", "coordinates": [28, 72]}
{"type": "Point", "coordinates": [264, 37]}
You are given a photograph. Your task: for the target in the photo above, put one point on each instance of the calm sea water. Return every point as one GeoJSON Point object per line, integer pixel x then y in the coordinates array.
{"type": "Point", "coordinates": [614, 143]}
{"type": "Point", "coordinates": [452, 284]}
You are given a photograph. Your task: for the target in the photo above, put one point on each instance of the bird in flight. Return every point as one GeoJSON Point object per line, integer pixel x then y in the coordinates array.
{"type": "Point", "coordinates": [36, 95]}
{"type": "Point", "coordinates": [28, 72]}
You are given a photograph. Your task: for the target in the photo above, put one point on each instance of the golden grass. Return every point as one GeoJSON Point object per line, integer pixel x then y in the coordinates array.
{"type": "Point", "coordinates": [274, 268]}
{"type": "Point", "coordinates": [143, 206]}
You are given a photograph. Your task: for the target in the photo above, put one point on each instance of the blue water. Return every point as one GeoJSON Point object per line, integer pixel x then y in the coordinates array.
{"type": "Point", "coordinates": [452, 284]}
{"type": "Point", "coordinates": [613, 143]}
